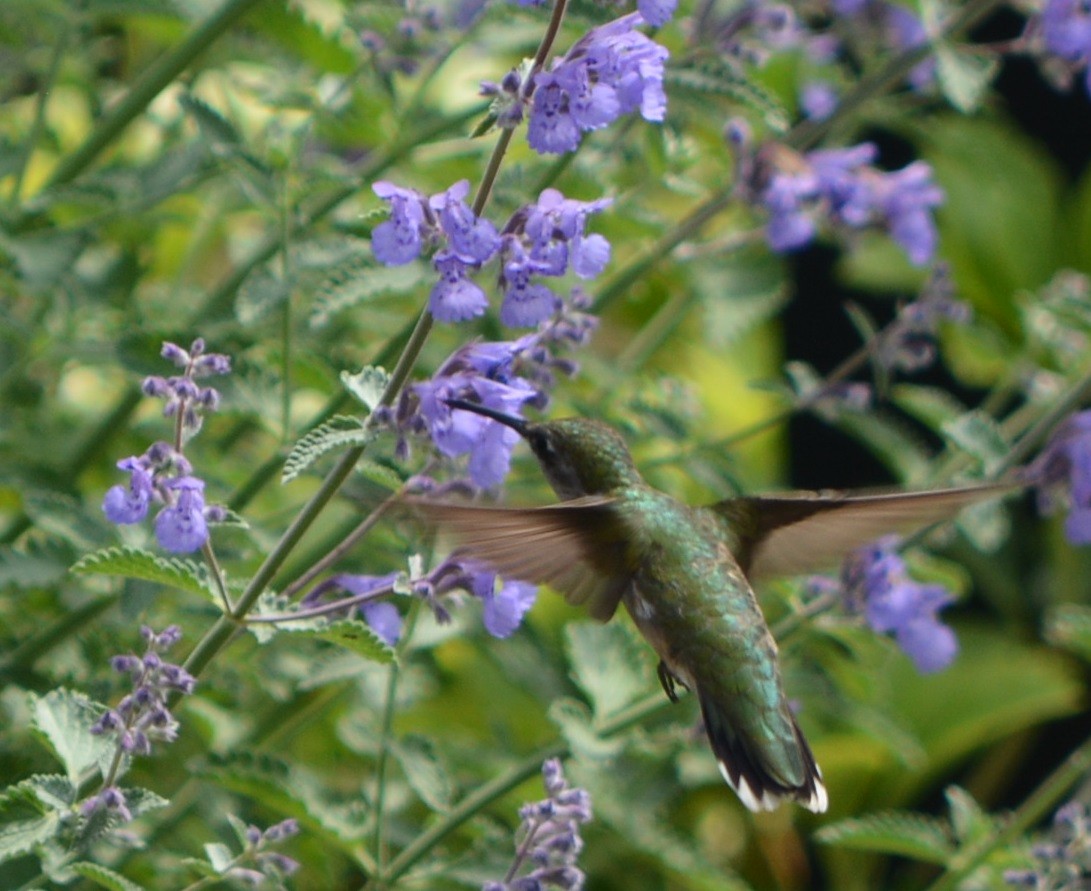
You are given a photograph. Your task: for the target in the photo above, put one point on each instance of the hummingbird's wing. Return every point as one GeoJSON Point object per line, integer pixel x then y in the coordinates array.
{"type": "Point", "coordinates": [800, 532]}
{"type": "Point", "coordinates": [576, 547]}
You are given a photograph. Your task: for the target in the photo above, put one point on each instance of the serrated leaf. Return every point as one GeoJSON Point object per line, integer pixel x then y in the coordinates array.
{"type": "Point", "coordinates": [141, 801]}
{"type": "Point", "coordinates": [357, 280]}
{"type": "Point", "coordinates": [350, 634]}
{"type": "Point", "coordinates": [379, 474]}
{"type": "Point", "coordinates": [37, 566]}
{"type": "Point", "coordinates": [574, 721]}
{"type": "Point", "coordinates": [607, 663]}
{"type": "Point", "coordinates": [25, 820]}
{"type": "Point", "coordinates": [424, 771]}
{"type": "Point", "coordinates": [1069, 625]}
{"type": "Point", "coordinates": [977, 434]}
{"type": "Point", "coordinates": [260, 293]}
{"type": "Point", "coordinates": [136, 563]}
{"type": "Point", "coordinates": [64, 719]}
{"type": "Point", "coordinates": [105, 878]}
{"type": "Point", "coordinates": [339, 432]}
{"type": "Point", "coordinates": [904, 834]}
{"type": "Point", "coordinates": [720, 78]}
{"type": "Point", "coordinates": [367, 385]}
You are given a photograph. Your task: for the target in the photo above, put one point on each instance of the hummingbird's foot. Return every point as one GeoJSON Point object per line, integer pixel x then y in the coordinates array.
{"type": "Point", "coordinates": [669, 681]}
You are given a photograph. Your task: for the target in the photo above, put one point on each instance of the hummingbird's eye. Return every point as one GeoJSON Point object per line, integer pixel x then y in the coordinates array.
{"type": "Point", "coordinates": [539, 442]}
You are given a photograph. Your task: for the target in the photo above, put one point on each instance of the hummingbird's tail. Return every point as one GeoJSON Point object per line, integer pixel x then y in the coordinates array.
{"type": "Point", "coordinates": [759, 785]}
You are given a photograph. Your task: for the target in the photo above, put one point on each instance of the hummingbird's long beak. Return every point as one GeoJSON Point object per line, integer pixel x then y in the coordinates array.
{"type": "Point", "coordinates": [516, 424]}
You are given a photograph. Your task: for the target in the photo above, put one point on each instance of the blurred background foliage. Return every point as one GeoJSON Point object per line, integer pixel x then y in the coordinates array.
{"type": "Point", "coordinates": [181, 168]}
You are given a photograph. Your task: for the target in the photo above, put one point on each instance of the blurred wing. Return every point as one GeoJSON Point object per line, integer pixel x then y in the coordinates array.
{"type": "Point", "coordinates": [576, 547]}
{"type": "Point", "coordinates": [802, 532]}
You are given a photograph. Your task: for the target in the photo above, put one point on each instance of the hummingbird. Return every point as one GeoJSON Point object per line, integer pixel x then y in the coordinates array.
{"type": "Point", "coordinates": [684, 575]}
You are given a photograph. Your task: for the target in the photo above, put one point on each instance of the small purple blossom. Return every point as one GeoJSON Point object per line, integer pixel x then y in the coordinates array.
{"type": "Point", "coordinates": [1065, 466]}
{"type": "Point", "coordinates": [656, 12]}
{"type": "Point", "coordinates": [612, 70]}
{"type": "Point", "coordinates": [909, 343]}
{"type": "Point", "coordinates": [455, 297]}
{"type": "Point", "coordinates": [142, 716]}
{"type": "Point", "coordinates": [818, 100]}
{"type": "Point", "coordinates": [503, 609]}
{"type": "Point", "coordinates": [111, 800]}
{"type": "Point", "coordinates": [129, 504]}
{"type": "Point", "coordinates": [180, 527]}
{"type": "Point", "coordinates": [841, 185]}
{"type": "Point", "coordinates": [182, 396]}
{"type": "Point", "coordinates": [548, 840]}
{"type": "Point", "coordinates": [876, 582]}
{"type": "Point", "coordinates": [1063, 860]}
{"type": "Point", "coordinates": [400, 239]}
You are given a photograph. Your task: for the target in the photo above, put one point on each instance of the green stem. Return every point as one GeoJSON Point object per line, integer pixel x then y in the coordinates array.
{"type": "Point", "coordinates": [147, 86]}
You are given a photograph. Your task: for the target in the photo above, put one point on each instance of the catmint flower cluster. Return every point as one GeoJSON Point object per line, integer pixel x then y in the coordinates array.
{"type": "Point", "coordinates": [1064, 861]}
{"type": "Point", "coordinates": [142, 716]}
{"type": "Point", "coordinates": [162, 474]}
{"type": "Point", "coordinates": [909, 343]}
{"type": "Point", "coordinates": [843, 187]}
{"type": "Point", "coordinates": [1064, 466]}
{"type": "Point", "coordinates": [549, 838]}
{"type": "Point", "coordinates": [612, 70]}
{"type": "Point", "coordinates": [270, 865]}
{"type": "Point", "coordinates": [504, 376]}
{"type": "Point", "coordinates": [503, 606]}
{"type": "Point", "coordinates": [891, 25]}
{"type": "Point", "coordinates": [876, 582]}
{"type": "Point", "coordinates": [545, 239]}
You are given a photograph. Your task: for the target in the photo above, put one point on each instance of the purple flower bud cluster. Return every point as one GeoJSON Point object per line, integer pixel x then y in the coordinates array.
{"type": "Point", "coordinates": [1063, 30]}
{"type": "Point", "coordinates": [184, 398]}
{"type": "Point", "coordinates": [271, 865]}
{"type": "Point", "coordinates": [549, 838]}
{"type": "Point", "coordinates": [612, 70]}
{"type": "Point", "coordinates": [547, 239]}
{"type": "Point", "coordinates": [163, 475]}
{"type": "Point", "coordinates": [1064, 466]}
{"type": "Point", "coordinates": [1064, 861]}
{"type": "Point", "coordinates": [110, 800]}
{"type": "Point", "coordinates": [843, 187]}
{"type": "Point", "coordinates": [876, 582]}
{"type": "Point", "coordinates": [890, 25]}
{"type": "Point", "coordinates": [142, 716]}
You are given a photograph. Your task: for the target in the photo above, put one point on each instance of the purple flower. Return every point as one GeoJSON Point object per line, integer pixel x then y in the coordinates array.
{"type": "Point", "coordinates": [180, 393]}
{"type": "Point", "coordinates": [181, 527]}
{"type": "Point", "coordinates": [112, 800]}
{"type": "Point", "coordinates": [526, 302]}
{"type": "Point", "coordinates": [818, 100]}
{"type": "Point", "coordinates": [129, 504]}
{"type": "Point", "coordinates": [876, 582]}
{"type": "Point", "coordinates": [1065, 464]}
{"type": "Point", "coordinates": [656, 12]}
{"type": "Point", "coordinates": [905, 199]}
{"type": "Point", "coordinates": [472, 239]}
{"type": "Point", "coordinates": [504, 609]}
{"type": "Point", "coordinates": [455, 298]}
{"type": "Point", "coordinates": [399, 240]}
{"type": "Point", "coordinates": [384, 619]}
{"type": "Point", "coordinates": [548, 841]}
{"type": "Point", "coordinates": [611, 71]}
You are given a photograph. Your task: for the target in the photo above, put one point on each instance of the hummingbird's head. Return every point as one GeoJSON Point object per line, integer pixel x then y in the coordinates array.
{"type": "Point", "coordinates": [578, 456]}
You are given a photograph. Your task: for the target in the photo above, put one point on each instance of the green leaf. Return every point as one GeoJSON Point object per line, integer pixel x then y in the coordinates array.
{"type": "Point", "coordinates": [932, 406]}
{"type": "Point", "coordinates": [38, 565]}
{"type": "Point", "coordinates": [338, 433]}
{"type": "Point", "coordinates": [379, 474]}
{"type": "Point", "coordinates": [964, 76]}
{"type": "Point", "coordinates": [1068, 625]}
{"type": "Point", "coordinates": [105, 878]}
{"type": "Point", "coordinates": [64, 719]}
{"type": "Point", "coordinates": [261, 292]}
{"type": "Point", "coordinates": [141, 801]}
{"type": "Point", "coordinates": [219, 857]}
{"type": "Point", "coordinates": [968, 819]}
{"type": "Point", "coordinates": [26, 819]}
{"type": "Point", "coordinates": [608, 663]}
{"type": "Point", "coordinates": [907, 835]}
{"type": "Point", "coordinates": [979, 436]}
{"type": "Point", "coordinates": [352, 635]}
{"type": "Point", "coordinates": [136, 563]}
{"type": "Point", "coordinates": [367, 385]}
{"type": "Point", "coordinates": [717, 77]}
{"type": "Point", "coordinates": [357, 280]}
{"type": "Point", "coordinates": [576, 726]}
{"type": "Point", "coordinates": [424, 770]}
